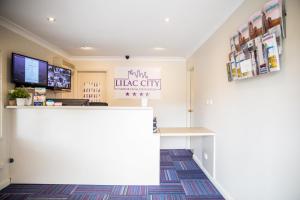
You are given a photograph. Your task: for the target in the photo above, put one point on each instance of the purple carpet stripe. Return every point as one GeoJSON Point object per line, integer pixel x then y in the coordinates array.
{"type": "Point", "coordinates": [23, 188]}
{"type": "Point", "coordinates": [167, 197]}
{"type": "Point", "coordinates": [186, 165]}
{"type": "Point", "coordinates": [191, 174]}
{"type": "Point", "coordinates": [166, 189]}
{"type": "Point", "coordinates": [180, 177]}
{"type": "Point", "coordinates": [202, 188]}
{"type": "Point", "coordinates": [48, 196]}
{"type": "Point", "coordinates": [103, 189]}
{"type": "Point", "coordinates": [14, 196]}
{"type": "Point", "coordinates": [181, 152]}
{"type": "Point", "coordinates": [93, 196]}
{"type": "Point", "coordinates": [167, 165]}
{"type": "Point", "coordinates": [203, 198]}
{"type": "Point", "coordinates": [129, 198]}
{"type": "Point", "coordinates": [181, 158]}
{"type": "Point", "coordinates": [59, 189]}
{"type": "Point", "coordinates": [168, 176]}
{"type": "Point", "coordinates": [165, 158]}
{"type": "Point", "coordinates": [129, 190]}
{"type": "Point", "coordinates": [165, 152]}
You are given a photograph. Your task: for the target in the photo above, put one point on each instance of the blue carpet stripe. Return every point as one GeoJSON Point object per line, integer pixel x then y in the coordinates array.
{"type": "Point", "coordinates": [180, 178]}
{"type": "Point", "coordinates": [129, 198]}
{"type": "Point", "coordinates": [167, 197]}
{"type": "Point", "coordinates": [103, 189]}
{"type": "Point", "coordinates": [14, 196]}
{"type": "Point", "coordinates": [48, 196]}
{"type": "Point", "coordinates": [186, 165]}
{"type": "Point", "coordinates": [165, 152]}
{"type": "Point", "coordinates": [129, 190]}
{"type": "Point", "coordinates": [59, 189]}
{"type": "Point", "coordinates": [89, 197]}
{"type": "Point", "coordinates": [203, 198]}
{"type": "Point", "coordinates": [181, 152]}
{"type": "Point", "coordinates": [180, 158]}
{"type": "Point", "coordinates": [23, 188]}
{"type": "Point", "coordinates": [191, 174]}
{"type": "Point", "coordinates": [166, 189]}
{"type": "Point", "coordinates": [168, 176]}
{"type": "Point", "coordinates": [202, 187]}
{"type": "Point", "coordinates": [167, 165]}
{"type": "Point", "coordinates": [165, 158]}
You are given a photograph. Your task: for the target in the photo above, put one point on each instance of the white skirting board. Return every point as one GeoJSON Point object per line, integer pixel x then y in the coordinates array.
{"type": "Point", "coordinates": [213, 180]}
{"type": "Point", "coordinates": [4, 183]}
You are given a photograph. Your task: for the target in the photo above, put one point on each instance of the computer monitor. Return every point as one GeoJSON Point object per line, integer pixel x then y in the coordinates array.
{"type": "Point", "coordinates": [59, 78]}
{"type": "Point", "coordinates": [29, 71]}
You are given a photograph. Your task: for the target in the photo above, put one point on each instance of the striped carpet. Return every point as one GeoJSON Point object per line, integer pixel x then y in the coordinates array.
{"type": "Point", "coordinates": [180, 179]}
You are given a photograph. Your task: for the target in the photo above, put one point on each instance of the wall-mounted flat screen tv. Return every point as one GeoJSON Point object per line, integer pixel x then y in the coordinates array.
{"type": "Point", "coordinates": [59, 78]}
{"type": "Point", "coordinates": [29, 71]}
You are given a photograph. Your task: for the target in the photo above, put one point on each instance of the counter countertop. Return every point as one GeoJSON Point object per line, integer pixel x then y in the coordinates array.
{"type": "Point", "coordinates": [183, 131]}
{"type": "Point", "coordinates": [79, 107]}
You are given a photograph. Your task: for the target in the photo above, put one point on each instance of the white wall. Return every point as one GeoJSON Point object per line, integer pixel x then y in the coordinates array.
{"type": "Point", "coordinates": [170, 109]}
{"type": "Point", "coordinates": [256, 120]}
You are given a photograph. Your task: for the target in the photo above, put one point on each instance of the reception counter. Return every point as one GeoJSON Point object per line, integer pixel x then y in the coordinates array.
{"type": "Point", "coordinates": [83, 145]}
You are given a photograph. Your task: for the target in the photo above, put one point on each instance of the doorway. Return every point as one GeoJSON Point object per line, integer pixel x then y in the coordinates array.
{"type": "Point", "coordinates": [190, 95]}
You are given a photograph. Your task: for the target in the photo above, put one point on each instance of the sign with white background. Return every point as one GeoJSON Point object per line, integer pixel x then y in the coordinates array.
{"type": "Point", "coordinates": [137, 83]}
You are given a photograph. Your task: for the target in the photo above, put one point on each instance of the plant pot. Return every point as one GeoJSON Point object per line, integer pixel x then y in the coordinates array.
{"type": "Point", "coordinates": [21, 101]}
{"type": "Point", "coordinates": [12, 102]}
{"type": "Point", "coordinates": [29, 101]}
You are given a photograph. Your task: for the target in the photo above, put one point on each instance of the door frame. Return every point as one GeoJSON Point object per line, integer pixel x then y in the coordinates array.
{"type": "Point", "coordinates": [1, 94]}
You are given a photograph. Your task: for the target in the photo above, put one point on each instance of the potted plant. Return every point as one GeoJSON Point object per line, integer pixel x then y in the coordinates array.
{"type": "Point", "coordinates": [21, 94]}
{"type": "Point", "coordinates": [11, 98]}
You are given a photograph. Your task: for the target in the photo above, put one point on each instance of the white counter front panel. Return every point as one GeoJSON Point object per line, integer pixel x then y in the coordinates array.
{"type": "Point", "coordinates": [84, 146]}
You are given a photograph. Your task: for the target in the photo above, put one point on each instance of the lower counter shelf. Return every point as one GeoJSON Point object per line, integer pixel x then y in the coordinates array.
{"type": "Point", "coordinates": [183, 131]}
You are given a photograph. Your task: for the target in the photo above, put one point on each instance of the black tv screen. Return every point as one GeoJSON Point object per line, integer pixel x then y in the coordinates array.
{"type": "Point", "coordinates": [29, 71]}
{"type": "Point", "coordinates": [59, 78]}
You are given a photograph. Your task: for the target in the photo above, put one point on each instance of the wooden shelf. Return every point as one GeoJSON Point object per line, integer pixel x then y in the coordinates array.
{"type": "Point", "coordinates": [182, 131]}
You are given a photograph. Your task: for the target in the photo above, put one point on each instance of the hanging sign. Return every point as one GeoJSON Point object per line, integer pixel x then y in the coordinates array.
{"type": "Point", "coordinates": [134, 83]}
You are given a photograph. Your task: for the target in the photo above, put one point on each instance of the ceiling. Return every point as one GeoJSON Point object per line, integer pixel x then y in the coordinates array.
{"type": "Point", "coordinates": [119, 27]}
